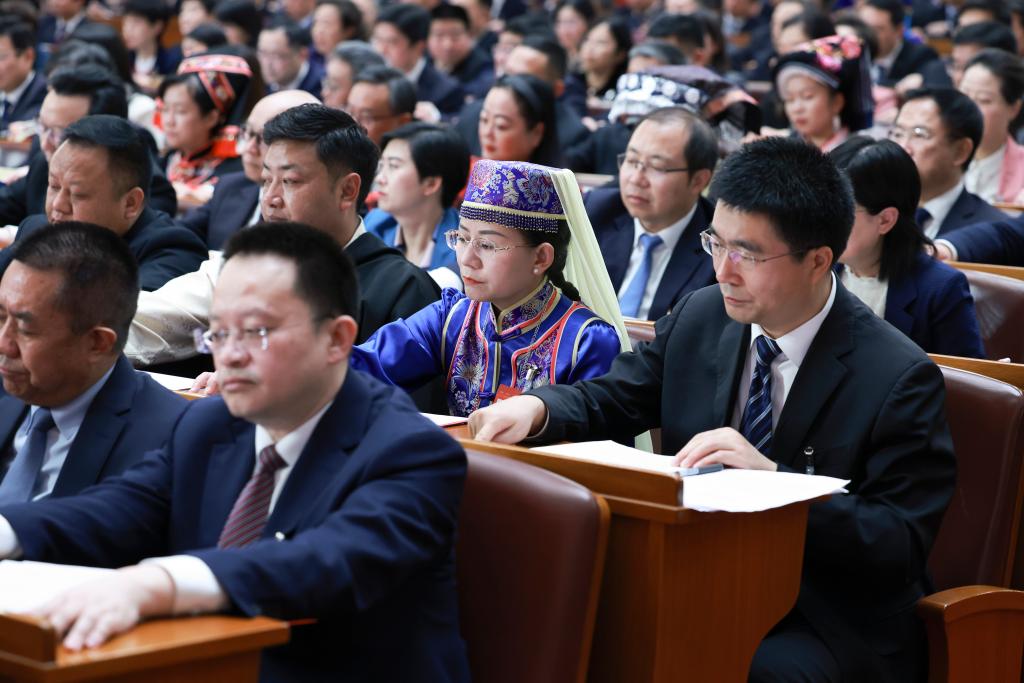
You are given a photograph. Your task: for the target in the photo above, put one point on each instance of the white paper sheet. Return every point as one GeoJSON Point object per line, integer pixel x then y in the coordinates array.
{"type": "Point", "coordinates": [612, 453]}
{"type": "Point", "coordinates": [444, 420]}
{"type": "Point", "coordinates": [171, 382]}
{"type": "Point", "coordinates": [28, 585]}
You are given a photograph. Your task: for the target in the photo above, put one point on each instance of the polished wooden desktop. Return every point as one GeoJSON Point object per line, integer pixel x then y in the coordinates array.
{"type": "Point", "coordinates": [686, 595]}
{"type": "Point", "coordinates": [208, 649]}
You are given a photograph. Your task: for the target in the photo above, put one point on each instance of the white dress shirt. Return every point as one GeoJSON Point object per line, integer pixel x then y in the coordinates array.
{"type": "Point", "coordinates": [983, 175]}
{"type": "Point", "coordinates": [660, 256]}
{"type": "Point", "coordinates": [294, 85]}
{"type": "Point", "coordinates": [785, 366]}
{"type": "Point", "coordinates": [939, 208]}
{"type": "Point", "coordinates": [162, 328]}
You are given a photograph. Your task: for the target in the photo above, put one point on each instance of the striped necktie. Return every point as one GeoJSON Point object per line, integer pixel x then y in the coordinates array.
{"type": "Point", "coordinates": [249, 515]}
{"type": "Point", "coordinates": [756, 425]}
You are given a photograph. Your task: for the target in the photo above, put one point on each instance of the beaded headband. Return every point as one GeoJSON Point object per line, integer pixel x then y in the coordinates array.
{"type": "Point", "coordinates": [515, 194]}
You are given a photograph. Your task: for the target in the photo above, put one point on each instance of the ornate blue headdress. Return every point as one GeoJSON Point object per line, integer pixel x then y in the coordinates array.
{"type": "Point", "coordinates": [515, 194]}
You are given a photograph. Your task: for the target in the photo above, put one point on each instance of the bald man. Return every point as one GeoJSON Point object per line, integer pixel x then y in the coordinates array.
{"type": "Point", "coordinates": [235, 201]}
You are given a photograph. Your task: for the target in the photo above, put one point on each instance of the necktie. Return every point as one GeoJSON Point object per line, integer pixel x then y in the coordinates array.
{"type": "Point", "coordinates": [249, 515]}
{"type": "Point", "coordinates": [634, 294]}
{"type": "Point", "coordinates": [756, 425]}
{"type": "Point", "coordinates": [20, 481]}
{"type": "Point", "coordinates": [922, 216]}
{"type": "Point", "coordinates": [5, 113]}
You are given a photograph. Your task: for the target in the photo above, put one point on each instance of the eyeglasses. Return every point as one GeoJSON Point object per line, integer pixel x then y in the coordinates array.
{"type": "Point", "coordinates": [249, 338]}
{"type": "Point", "coordinates": [737, 257]}
{"type": "Point", "coordinates": [247, 136]}
{"type": "Point", "coordinates": [366, 116]}
{"type": "Point", "coordinates": [653, 170]}
{"type": "Point", "coordinates": [484, 247]}
{"type": "Point", "coordinates": [899, 134]}
{"type": "Point", "coordinates": [53, 134]}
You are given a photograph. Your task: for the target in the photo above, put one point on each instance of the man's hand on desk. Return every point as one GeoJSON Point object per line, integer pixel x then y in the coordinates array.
{"type": "Point", "coordinates": [206, 383]}
{"type": "Point", "coordinates": [725, 446]}
{"type": "Point", "coordinates": [508, 421]}
{"type": "Point", "coordinates": [90, 614]}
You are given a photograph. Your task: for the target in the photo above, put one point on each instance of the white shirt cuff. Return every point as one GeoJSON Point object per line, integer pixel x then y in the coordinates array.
{"type": "Point", "coordinates": [196, 589]}
{"type": "Point", "coordinates": [949, 245]}
{"type": "Point", "coordinates": [10, 549]}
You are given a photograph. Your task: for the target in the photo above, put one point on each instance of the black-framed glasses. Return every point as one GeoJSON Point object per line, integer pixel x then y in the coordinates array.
{"type": "Point", "coordinates": [635, 164]}
{"type": "Point", "coordinates": [717, 249]}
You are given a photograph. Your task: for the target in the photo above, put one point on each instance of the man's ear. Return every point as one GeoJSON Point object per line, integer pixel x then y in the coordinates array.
{"type": "Point", "coordinates": [347, 190]}
{"type": "Point", "coordinates": [101, 340]}
{"type": "Point", "coordinates": [134, 203]}
{"type": "Point", "coordinates": [342, 331]}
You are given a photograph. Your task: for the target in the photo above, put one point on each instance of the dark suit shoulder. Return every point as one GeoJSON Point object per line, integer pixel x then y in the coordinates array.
{"type": "Point", "coordinates": [604, 204]}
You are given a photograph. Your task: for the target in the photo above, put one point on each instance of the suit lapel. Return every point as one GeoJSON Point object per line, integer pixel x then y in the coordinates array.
{"type": "Point", "coordinates": [732, 347]}
{"type": "Point", "coordinates": [959, 214]}
{"type": "Point", "coordinates": [820, 374]}
{"type": "Point", "coordinates": [619, 248]}
{"type": "Point", "coordinates": [230, 465]}
{"type": "Point", "coordinates": [12, 412]}
{"type": "Point", "coordinates": [898, 301]}
{"type": "Point", "coordinates": [687, 263]}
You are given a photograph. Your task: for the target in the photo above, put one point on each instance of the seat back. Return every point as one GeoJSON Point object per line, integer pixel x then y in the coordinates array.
{"type": "Point", "coordinates": [639, 330]}
{"type": "Point", "coordinates": [977, 541]}
{"type": "Point", "coordinates": [999, 305]}
{"type": "Point", "coordinates": [529, 556]}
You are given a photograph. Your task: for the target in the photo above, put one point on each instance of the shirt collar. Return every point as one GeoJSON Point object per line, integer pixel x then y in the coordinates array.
{"type": "Point", "coordinates": [938, 207]}
{"type": "Point", "coordinates": [794, 344]}
{"type": "Point", "coordinates": [69, 417]}
{"type": "Point", "coordinates": [290, 446]}
{"type": "Point", "coordinates": [670, 235]}
{"type": "Point", "coordinates": [303, 72]}
{"type": "Point", "coordinates": [891, 57]}
{"type": "Point", "coordinates": [16, 94]}
{"type": "Point", "coordinates": [356, 234]}
{"type": "Point", "coordinates": [417, 70]}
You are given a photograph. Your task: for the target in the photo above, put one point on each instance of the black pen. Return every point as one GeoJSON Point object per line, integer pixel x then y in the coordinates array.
{"type": "Point", "coordinates": [693, 471]}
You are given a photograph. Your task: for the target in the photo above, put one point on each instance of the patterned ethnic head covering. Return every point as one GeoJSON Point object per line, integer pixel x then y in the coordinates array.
{"type": "Point", "coordinates": [515, 194]}
{"type": "Point", "coordinates": [839, 63]}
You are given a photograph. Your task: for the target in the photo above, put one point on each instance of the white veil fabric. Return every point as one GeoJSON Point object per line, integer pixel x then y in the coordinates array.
{"type": "Point", "coordinates": [584, 266]}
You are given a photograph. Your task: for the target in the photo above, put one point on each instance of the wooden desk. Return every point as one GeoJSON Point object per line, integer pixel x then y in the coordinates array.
{"type": "Point", "coordinates": [212, 649]}
{"type": "Point", "coordinates": [686, 596]}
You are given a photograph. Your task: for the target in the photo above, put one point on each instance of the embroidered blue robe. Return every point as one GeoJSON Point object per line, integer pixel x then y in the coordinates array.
{"type": "Point", "coordinates": [545, 339]}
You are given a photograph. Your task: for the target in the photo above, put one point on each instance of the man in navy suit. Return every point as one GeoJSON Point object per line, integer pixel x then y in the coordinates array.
{"type": "Point", "coordinates": [309, 491]}
{"type": "Point", "coordinates": [283, 51]}
{"type": "Point", "coordinates": [73, 411]}
{"type": "Point", "coordinates": [400, 35]}
{"type": "Point", "coordinates": [65, 17]}
{"type": "Point", "coordinates": [22, 89]}
{"type": "Point", "coordinates": [897, 57]}
{"type": "Point", "coordinates": [451, 48]}
{"type": "Point", "coordinates": [780, 368]}
{"type": "Point", "coordinates": [97, 175]}
{"type": "Point", "coordinates": [940, 128]}
{"type": "Point", "coordinates": [1000, 242]}
{"type": "Point", "coordinates": [649, 227]}
{"type": "Point", "coordinates": [236, 198]}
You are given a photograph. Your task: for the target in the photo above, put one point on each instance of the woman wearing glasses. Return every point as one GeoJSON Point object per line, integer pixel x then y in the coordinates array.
{"type": "Point", "coordinates": [422, 169]}
{"type": "Point", "coordinates": [888, 260]}
{"type": "Point", "coordinates": [520, 323]}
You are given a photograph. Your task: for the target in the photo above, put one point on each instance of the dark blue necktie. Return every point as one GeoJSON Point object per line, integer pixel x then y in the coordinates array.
{"type": "Point", "coordinates": [756, 425]}
{"type": "Point", "coordinates": [922, 216]}
{"type": "Point", "coordinates": [5, 113]}
{"type": "Point", "coordinates": [634, 294]}
{"type": "Point", "coordinates": [20, 481]}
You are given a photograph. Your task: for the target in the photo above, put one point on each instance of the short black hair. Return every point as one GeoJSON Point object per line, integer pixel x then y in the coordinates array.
{"type": "Point", "coordinates": [795, 186]}
{"type": "Point", "coordinates": [986, 34]}
{"type": "Point", "coordinates": [21, 10]}
{"type": "Point", "coordinates": [76, 52]}
{"type": "Point", "coordinates": [19, 32]}
{"type": "Point", "coordinates": [548, 45]}
{"type": "Point", "coordinates": [585, 8]}
{"type": "Point", "coordinates": [296, 36]}
{"type": "Point", "coordinates": [959, 114]}
{"type": "Point", "coordinates": [243, 14]}
{"type": "Point", "coordinates": [529, 24]}
{"type": "Point", "coordinates": [666, 53]}
{"type": "Point", "coordinates": [153, 11]}
{"type": "Point", "coordinates": [208, 5]}
{"type": "Point", "coordinates": [864, 32]}
{"type": "Point", "coordinates": [882, 174]}
{"type": "Point", "coordinates": [436, 151]}
{"type": "Point", "coordinates": [450, 12]}
{"type": "Point", "coordinates": [127, 154]}
{"type": "Point", "coordinates": [401, 91]}
{"type": "Point", "coordinates": [1008, 69]}
{"type": "Point", "coordinates": [814, 24]}
{"type": "Point", "coordinates": [349, 14]}
{"type": "Point", "coordinates": [104, 89]}
{"type": "Point", "coordinates": [685, 28]}
{"type": "Point", "coordinates": [894, 8]}
{"type": "Point", "coordinates": [109, 38]}
{"type": "Point", "coordinates": [325, 277]}
{"type": "Point", "coordinates": [701, 150]}
{"type": "Point", "coordinates": [342, 145]}
{"type": "Point", "coordinates": [100, 283]}
{"type": "Point", "coordinates": [412, 21]}
{"type": "Point", "coordinates": [209, 34]}
{"type": "Point", "coordinates": [997, 8]}
{"type": "Point", "coordinates": [357, 54]}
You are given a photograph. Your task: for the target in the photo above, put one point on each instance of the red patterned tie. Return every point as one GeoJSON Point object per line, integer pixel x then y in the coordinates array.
{"type": "Point", "coordinates": [249, 515]}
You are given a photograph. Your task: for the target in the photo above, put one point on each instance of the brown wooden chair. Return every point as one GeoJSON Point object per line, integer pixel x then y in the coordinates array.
{"type": "Point", "coordinates": [999, 305]}
{"type": "Point", "coordinates": [530, 556]}
{"type": "Point", "coordinates": [976, 632]}
{"type": "Point", "coordinates": [1016, 272]}
{"type": "Point", "coordinates": [1011, 373]}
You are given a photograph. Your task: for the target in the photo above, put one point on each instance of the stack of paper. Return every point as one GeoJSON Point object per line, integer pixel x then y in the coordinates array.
{"type": "Point", "coordinates": [444, 420]}
{"type": "Point", "coordinates": [730, 490]}
{"type": "Point", "coordinates": [28, 585]}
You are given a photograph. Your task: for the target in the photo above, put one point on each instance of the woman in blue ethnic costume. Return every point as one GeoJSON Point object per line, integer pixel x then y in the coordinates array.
{"type": "Point", "coordinates": [520, 324]}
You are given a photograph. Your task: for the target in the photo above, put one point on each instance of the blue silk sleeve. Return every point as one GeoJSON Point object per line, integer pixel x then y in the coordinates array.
{"type": "Point", "coordinates": [407, 352]}
{"type": "Point", "coordinates": [598, 347]}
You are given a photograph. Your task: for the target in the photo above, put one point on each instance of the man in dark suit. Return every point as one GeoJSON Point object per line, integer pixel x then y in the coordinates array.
{"type": "Point", "coordinates": [400, 35]}
{"type": "Point", "coordinates": [649, 227]}
{"type": "Point", "coordinates": [940, 128]}
{"type": "Point", "coordinates": [73, 411]}
{"type": "Point", "coordinates": [999, 242]}
{"type": "Point", "coordinates": [65, 17]}
{"type": "Point", "coordinates": [236, 198]}
{"type": "Point", "coordinates": [22, 89]}
{"type": "Point", "coordinates": [97, 175]}
{"type": "Point", "coordinates": [898, 58]}
{"type": "Point", "coordinates": [75, 91]}
{"type": "Point", "coordinates": [452, 51]}
{"type": "Point", "coordinates": [310, 490]}
{"type": "Point", "coordinates": [283, 51]}
{"type": "Point", "coordinates": [780, 368]}
{"type": "Point", "coordinates": [543, 57]}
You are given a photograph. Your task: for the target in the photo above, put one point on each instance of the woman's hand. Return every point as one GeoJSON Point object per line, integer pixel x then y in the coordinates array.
{"type": "Point", "coordinates": [206, 384]}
